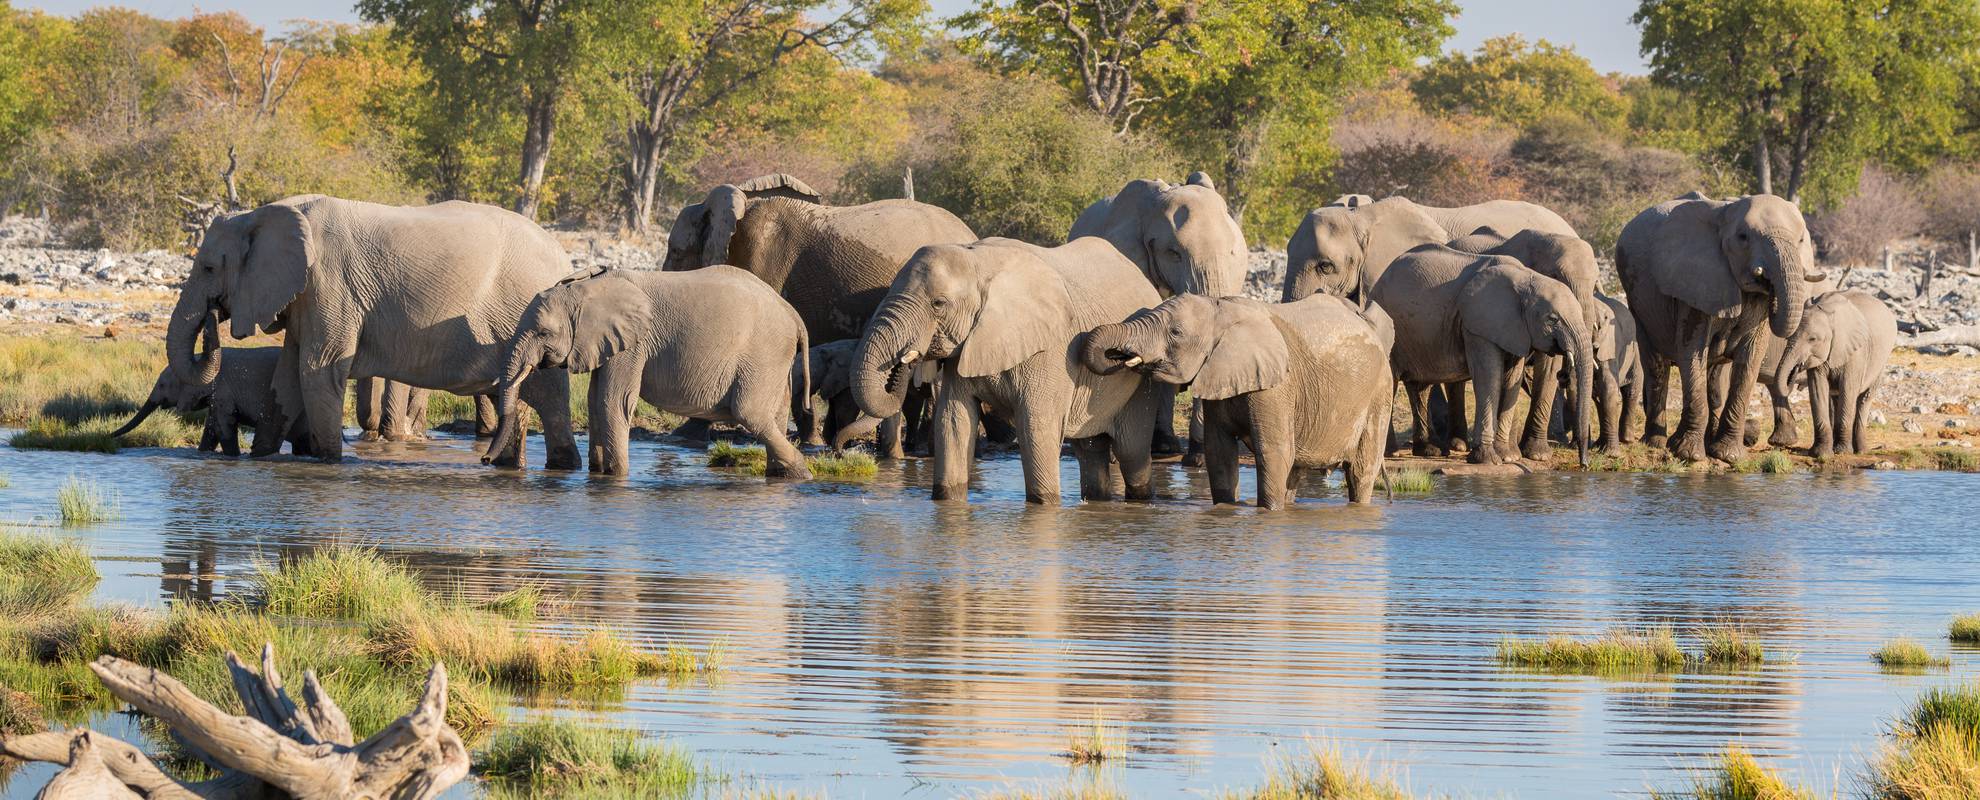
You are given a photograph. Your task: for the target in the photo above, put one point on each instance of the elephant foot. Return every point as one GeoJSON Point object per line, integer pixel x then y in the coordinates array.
{"type": "Point", "coordinates": [1140, 494]}
{"type": "Point", "coordinates": [1656, 440]}
{"type": "Point", "coordinates": [1781, 440]}
{"type": "Point", "coordinates": [942, 492]}
{"type": "Point", "coordinates": [1751, 437]}
{"type": "Point", "coordinates": [563, 461]}
{"type": "Point", "coordinates": [1427, 450]}
{"type": "Point", "coordinates": [1485, 455]}
{"type": "Point", "coordinates": [1536, 450]}
{"type": "Point", "coordinates": [1729, 449]}
{"type": "Point", "coordinates": [1192, 460]}
{"type": "Point", "coordinates": [369, 436]}
{"type": "Point", "coordinates": [1612, 449]}
{"type": "Point", "coordinates": [1456, 444]}
{"type": "Point", "coordinates": [1689, 448]}
{"type": "Point", "coordinates": [1508, 452]}
{"type": "Point", "coordinates": [1165, 444]}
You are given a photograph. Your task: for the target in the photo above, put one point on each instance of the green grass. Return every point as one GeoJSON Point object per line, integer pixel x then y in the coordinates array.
{"type": "Point", "coordinates": [1324, 772]}
{"type": "Point", "coordinates": [1618, 650]}
{"type": "Point", "coordinates": [847, 465]}
{"type": "Point", "coordinates": [522, 603]}
{"type": "Point", "coordinates": [1771, 462]}
{"type": "Point", "coordinates": [41, 575]}
{"type": "Point", "coordinates": [1411, 481]}
{"type": "Point", "coordinates": [1727, 644]}
{"type": "Point", "coordinates": [82, 502]}
{"type": "Point", "coordinates": [1965, 629]}
{"type": "Point", "coordinates": [1956, 459]}
{"type": "Point", "coordinates": [340, 584]}
{"type": "Point", "coordinates": [1907, 654]}
{"type": "Point", "coordinates": [564, 759]}
{"type": "Point", "coordinates": [1933, 749]}
{"type": "Point", "coordinates": [1736, 775]}
{"type": "Point", "coordinates": [1094, 743]}
{"type": "Point", "coordinates": [162, 429]}
{"type": "Point", "coordinates": [72, 380]}
{"type": "Point", "coordinates": [745, 460]}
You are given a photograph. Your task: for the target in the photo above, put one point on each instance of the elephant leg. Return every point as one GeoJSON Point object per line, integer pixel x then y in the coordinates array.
{"type": "Point", "coordinates": [1715, 392]}
{"type": "Point", "coordinates": [1689, 441]}
{"type": "Point", "coordinates": [1488, 376]}
{"type": "Point", "coordinates": [1094, 478]}
{"type": "Point", "coordinates": [1784, 424]}
{"type": "Point", "coordinates": [1272, 449]}
{"type": "Point", "coordinates": [996, 429]}
{"type": "Point", "coordinates": [1165, 442]}
{"type": "Point", "coordinates": [229, 429]}
{"type": "Point", "coordinates": [1859, 441]}
{"type": "Point", "coordinates": [1848, 431]}
{"type": "Point", "coordinates": [807, 421]}
{"type": "Point", "coordinates": [1421, 425]}
{"type": "Point", "coordinates": [1544, 377]}
{"type": "Point", "coordinates": [952, 440]}
{"type": "Point", "coordinates": [1220, 464]}
{"type": "Point", "coordinates": [1367, 461]}
{"type": "Point", "coordinates": [784, 459]}
{"type": "Point", "coordinates": [610, 404]}
{"type": "Point", "coordinates": [1040, 433]}
{"type": "Point", "coordinates": [418, 403]}
{"type": "Point", "coordinates": [1611, 412]}
{"type": "Point", "coordinates": [1509, 447]}
{"type": "Point", "coordinates": [394, 424]}
{"type": "Point", "coordinates": [548, 392]}
{"type": "Point", "coordinates": [371, 401]}
{"type": "Point", "coordinates": [486, 415]}
{"type": "Point", "coordinates": [323, 408]}
{"type": "Point", "coordinates": [1656, 395]}
{"type": "Point", "coordinates": [890, 436]}
{"type": "Point", "coordinates": [268, 436]}
{"type": "Point", "coordinates": [1131, 439]}
{"type": "Point", "coordinates": [1632, 404]}
{"type": "Point", "coordinates": [916, 416]}
{"type": "Point", "coordinates": [1729, 445]}
{"type": "Point", "coordinates": [1820, 407]}
{"type": "Point", "coordinates": [1193, 454]}
{"type": "Point", "coordinates": [1455, 420]}
{"type": "Point", "coordinates": [209, 433]}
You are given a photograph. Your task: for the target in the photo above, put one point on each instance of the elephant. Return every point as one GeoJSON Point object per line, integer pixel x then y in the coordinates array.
{"type": "Point", "coordinates": [1306, 385]}
{"type": "Point", "coordinates": [425, 296]}
{"type": "Point", "coordinates": [1183, 239]}
{"type": "Point", "coordinates": [1843, 343]}
{"type": "Point", "coordinates": [391, 410]}
{"type": "Point", "coordinates": [1564, 258]}
{"type": "Point", "coordinates": [832, 369]}
{"type": "Point", "coordinates": [1703, 278]}
{"type": "Point", "coordinates": [242, 393]}
{"type": "Point", "coordinates": [713, 343]}
{"type": "Point", "coordinates": [1618, 376]}
{"type": "Point", "coordinates": [1003, 320]}
{"type": "Point", "coordinates": [832, 263]}
{"type": "Point", "coordinates": [1338, 251]}
{"type": "Point", "coordinates": [1462, 316]}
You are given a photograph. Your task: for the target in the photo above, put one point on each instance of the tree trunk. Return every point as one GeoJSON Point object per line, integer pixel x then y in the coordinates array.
{"type": "Point", "coordinates": [540, 126]}
{"type": "Point", "coordinates": [1763, 164]}
{"type": "Point", "coordinates": [1247, 148]}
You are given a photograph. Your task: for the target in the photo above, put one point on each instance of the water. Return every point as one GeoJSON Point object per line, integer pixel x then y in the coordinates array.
{"type": "Point", "coordinates": [883, 645]}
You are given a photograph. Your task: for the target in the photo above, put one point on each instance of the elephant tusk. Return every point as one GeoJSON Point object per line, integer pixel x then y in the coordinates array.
{"type": "Point", "coordinates": [910, 356]}
{"type": "Point", "coordinates": [1132, 362]}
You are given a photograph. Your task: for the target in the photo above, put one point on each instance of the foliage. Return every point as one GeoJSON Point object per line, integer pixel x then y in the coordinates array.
{"type": "Point", "coordinates": [1883, 210]}
{"type": "Point", "coordinates": [1390, 148]}
{"type": "Point", "coordinates": [1520, 84]}
{"type": "Point", "coordinates": [1595, 181]}
{"type": "Point", "coordinates": [1952, 200]}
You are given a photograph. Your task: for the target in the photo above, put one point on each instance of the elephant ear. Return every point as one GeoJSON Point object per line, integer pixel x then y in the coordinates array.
{"type": "Point", "coordinates": [1689, 264]}
{"type": "Point", "coordinates": [608, 315]}
{"type": "Point", "coordinates": [778, 184]}
{"type": "Point", "coordinates": [1201, 178]}
{"type": "Point", "coordinates": [725, 205]}
{"type": "Point", "coordinates": [687, 234]}
{"type": "Point", "coordinates": [1492, 306]}
{"type": "Point", "coordinates": [1249, 355]}
{"type": "Point", "coordinates": [1024, 311]}
{"type": "Point", "coordinates": [281, 249]}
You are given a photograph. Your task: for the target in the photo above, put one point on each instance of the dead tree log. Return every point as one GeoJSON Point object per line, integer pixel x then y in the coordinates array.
{"type": "Point", "coordinates": [1968, 335]}
{"type": "Point", "coordinates": [279, 749]}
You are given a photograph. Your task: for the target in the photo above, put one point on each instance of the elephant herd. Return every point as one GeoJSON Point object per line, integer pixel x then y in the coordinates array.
{"type": "Point", "coordinates": [900, 318]}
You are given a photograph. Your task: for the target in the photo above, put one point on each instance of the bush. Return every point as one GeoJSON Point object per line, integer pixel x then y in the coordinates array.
{"type": "Point", "coordinates": [1858, 229]}
{"type": "Point", "coordinates": [1592, 179]}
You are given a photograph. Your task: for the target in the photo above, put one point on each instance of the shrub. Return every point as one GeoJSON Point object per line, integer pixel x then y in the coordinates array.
{"type": "Point", "coordinates": [1858, 229]}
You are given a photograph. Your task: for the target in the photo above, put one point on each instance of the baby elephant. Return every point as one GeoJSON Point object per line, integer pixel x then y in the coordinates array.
{"type": "Point", "coordinates": [715, 344]}
{"type": "Point", "coordinates": [1844, 340]}
{"type": "Point", "coordinates": [242, 392]}
{"type": "Point", "coordinates": [1306, 384]}
{"type": "Point", "coordinates": [1618, 375]}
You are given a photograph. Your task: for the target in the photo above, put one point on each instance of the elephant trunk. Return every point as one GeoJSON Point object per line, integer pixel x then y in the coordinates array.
{"type": "Point", "coordinates": [1582, 353]}
{"type": "Point", "coordinates": [143, 412]}
{"type": "Point", "coordinates": [1777, 260]}
{"type": "Point", "coordinates": [523, 356]}
{"type": "Point", "coordinates": [1108, 348]}
{"type": "Point", "coordinates": [897, 337]}
{"type": "Point", "coordinates": [1301, 281]}
{"type": "Point", "coordinates": [193, 319]}
{"type": "Point", "coordinates": [857, 428]}
{"type": "Point", "coordinates": [1791, 360]}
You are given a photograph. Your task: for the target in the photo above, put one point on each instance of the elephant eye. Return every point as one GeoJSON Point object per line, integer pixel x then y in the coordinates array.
{"type": "Point", "coordinates": [939, 302]}
{"type": "Point", "coordinates": [1176, 332]}
{"type": "Point", "coordinates": [1742, 236]}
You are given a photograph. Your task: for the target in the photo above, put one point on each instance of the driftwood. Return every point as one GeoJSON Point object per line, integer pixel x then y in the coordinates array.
{"type": "Point", "coordinates": [279, 749]}
{"type": "Point", "coordinates": [1968, 335]}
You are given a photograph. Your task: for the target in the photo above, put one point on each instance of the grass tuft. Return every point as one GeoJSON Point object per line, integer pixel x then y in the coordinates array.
{"type": "Point", "coordinates": [83, 502]}
{"type": "Point", "coordinates": [1966, 629]}
{"type": "Point", "coordinates": [1933, 751]}
{"type": "Point", "coordinates": [1096, 743]}
{"type": "Point", "coordinates": [1736, 775]}
{"type": "Point", "coordinates": [1411, 481]}
{"type": "Point", "coordinates": [41, 575]}
{"type": "Point", "coordinates": [1729, 644]}
{"type": "Point", "coordinates": [522, 603]}
{"type": "Point", "coordinates": [340, 583]}
{"type": "Point", "coordinates": [746, 460]}
{"type": "Point", "coordinates": [1324, 772]}
{"type": "Point", "coordinates": [846, 465]}
{"type": "Point", "coordinates": [20, 715]}
{"type": "Point", "coordinates": [565, 759]}
{"type": "Point", "coordinates": [1956, 459]}
{"type": "Point", "coordinates": [163, 429]}
{"type": "Point", "coordinates": [1907, 654]}
{"type": "Point", "coordinates": [1771, 462]}
{"type": "Point", "coordinates": [1617, 650]}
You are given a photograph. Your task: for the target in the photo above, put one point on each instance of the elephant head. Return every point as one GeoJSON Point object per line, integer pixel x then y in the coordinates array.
{"type": "Point", "coordinates": [1220, 348]}
{"type": "Point", "coordinates": [1190, 243]}
{"type": "Point", "coordinates": [1711, 254]}
{"type": "Point", "coordinates": [575, 325]}
{"type": "Point", "coordinates": [1350, 201]}
{"type": "Point", "coordinates": [1832, 331]}
{"type": "Point", "coordinates": [1567, 259]}
{"type": "Point", "coordinates": [249, 268]}
{"type": "Point", "coordinates": [169, 391]}
{"type": "Point", "coordinates": [703, 231]}
{"type": "Point", "coordinates": [1521, 312]}
{"type": "Point", "coordinates": [1341, 251]}
{"type": "Point", "coordinates": [989, 306]}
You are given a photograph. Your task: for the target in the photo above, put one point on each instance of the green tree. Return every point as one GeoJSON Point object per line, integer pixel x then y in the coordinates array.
{"type": "Point", "coordinates": [1519, 83]}
{"type": "Point", "coordinates": [1108, 52]}
{"type": "Point", "coordinates": [1811, 87]}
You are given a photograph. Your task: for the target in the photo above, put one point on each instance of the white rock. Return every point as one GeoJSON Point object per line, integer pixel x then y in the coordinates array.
{"type": "Point", "coordinates": [1955, 422]}
{"type": "Point", "coordinates": [1912, 426]}
{"type": "Point", "coordinates": [1876, 417]}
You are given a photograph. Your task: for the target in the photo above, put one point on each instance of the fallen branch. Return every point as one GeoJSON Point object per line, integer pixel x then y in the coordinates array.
{"type": "Point", "coordinates": [279, 749]}
{"type": "Point", "coordinates": [1968, 335]}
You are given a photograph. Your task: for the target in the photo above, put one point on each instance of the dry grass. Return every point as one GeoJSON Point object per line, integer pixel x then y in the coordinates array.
{"type": "Point", "coordinates": [1736, 775]}
{"type": "Point", "coordinates": [1618, 650]}
{"type": "Point", "coordinates": [20, 714]}
{"type": "Point", "coordinates": [1324, 772]}
{"type": "Point", "coordinates": [71, 379]}
{"type": "Point", "coordinates": [522, 603]}
{"type": "Point", "coordinates": [1729, 644]}
{"type": "Point", "coordinates": [42, 575]}
{"type": "Point", "coordinates": [1907, 654]}
{"type": "Point", "coordinates": [1096, 742]}
{"type": "Point", "coordinates": [1933, 750]}
{"type": "Point", "coordinates": [1965, 629]}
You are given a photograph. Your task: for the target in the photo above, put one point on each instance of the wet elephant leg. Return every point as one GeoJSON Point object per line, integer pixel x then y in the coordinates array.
{"type": "Point", "coordinates": [892, 432]}
{"type": "Point", "coordinates": [610, 404]}
{"type": "Point", "coordinates": [1220, 464]}
{"type": "Point", "coordinates": [371, 402]}
{"type": "Point", "coordinates": [1544, 383]}
{"type": "Point", "coordinates": [323, 407]}
{"type": "Point", "coordinates": [1040, 433]}
{"type": "Point", "coordinates": [1488, 376]}
{"type": "Point", "coordinates": [1094, 462]}
{"type": "Point", "coordinates": [1131, 443]}
{"type": "Point", "coordinates": [1273, 451]}
{"type": "Point", "coordinates": [1165, 442]}
{"type": "Point", "coordinates": [952, 440]}
{"type": "Point", "coordinates": [486, 415]}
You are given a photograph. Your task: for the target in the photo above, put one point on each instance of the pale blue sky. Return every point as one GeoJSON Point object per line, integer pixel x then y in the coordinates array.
{"type": "Point", "coordinates": [1599, 29]}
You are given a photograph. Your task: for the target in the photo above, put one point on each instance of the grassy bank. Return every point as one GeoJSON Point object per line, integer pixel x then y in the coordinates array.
{"type": "Point", "coordinates": [851, 465]}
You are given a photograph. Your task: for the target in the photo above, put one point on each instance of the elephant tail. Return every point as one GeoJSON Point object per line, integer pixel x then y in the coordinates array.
{"type": "Point", "coordinates": [801, 371]}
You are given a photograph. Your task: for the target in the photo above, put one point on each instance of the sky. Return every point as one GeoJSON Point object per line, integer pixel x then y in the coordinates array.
{"type": "Point", "coordinates": [1598, 29]}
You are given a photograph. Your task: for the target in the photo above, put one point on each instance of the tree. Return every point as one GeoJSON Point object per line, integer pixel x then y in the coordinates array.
{"type": "Point", "coordinates": [1812, 86]}
{"type": "Point", "coordinates": [1882, 210]}
{"type": "Point", "coordinates": [1519, 83]}
{"type": "Point", "coordinates": [694, 55]}
{"type": "Point", "coordinates": [1109, 52]}
{"type": "Point", "coordinates": [527, 52]}
{"type": "Point", "coordinates": [1952, 206]}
